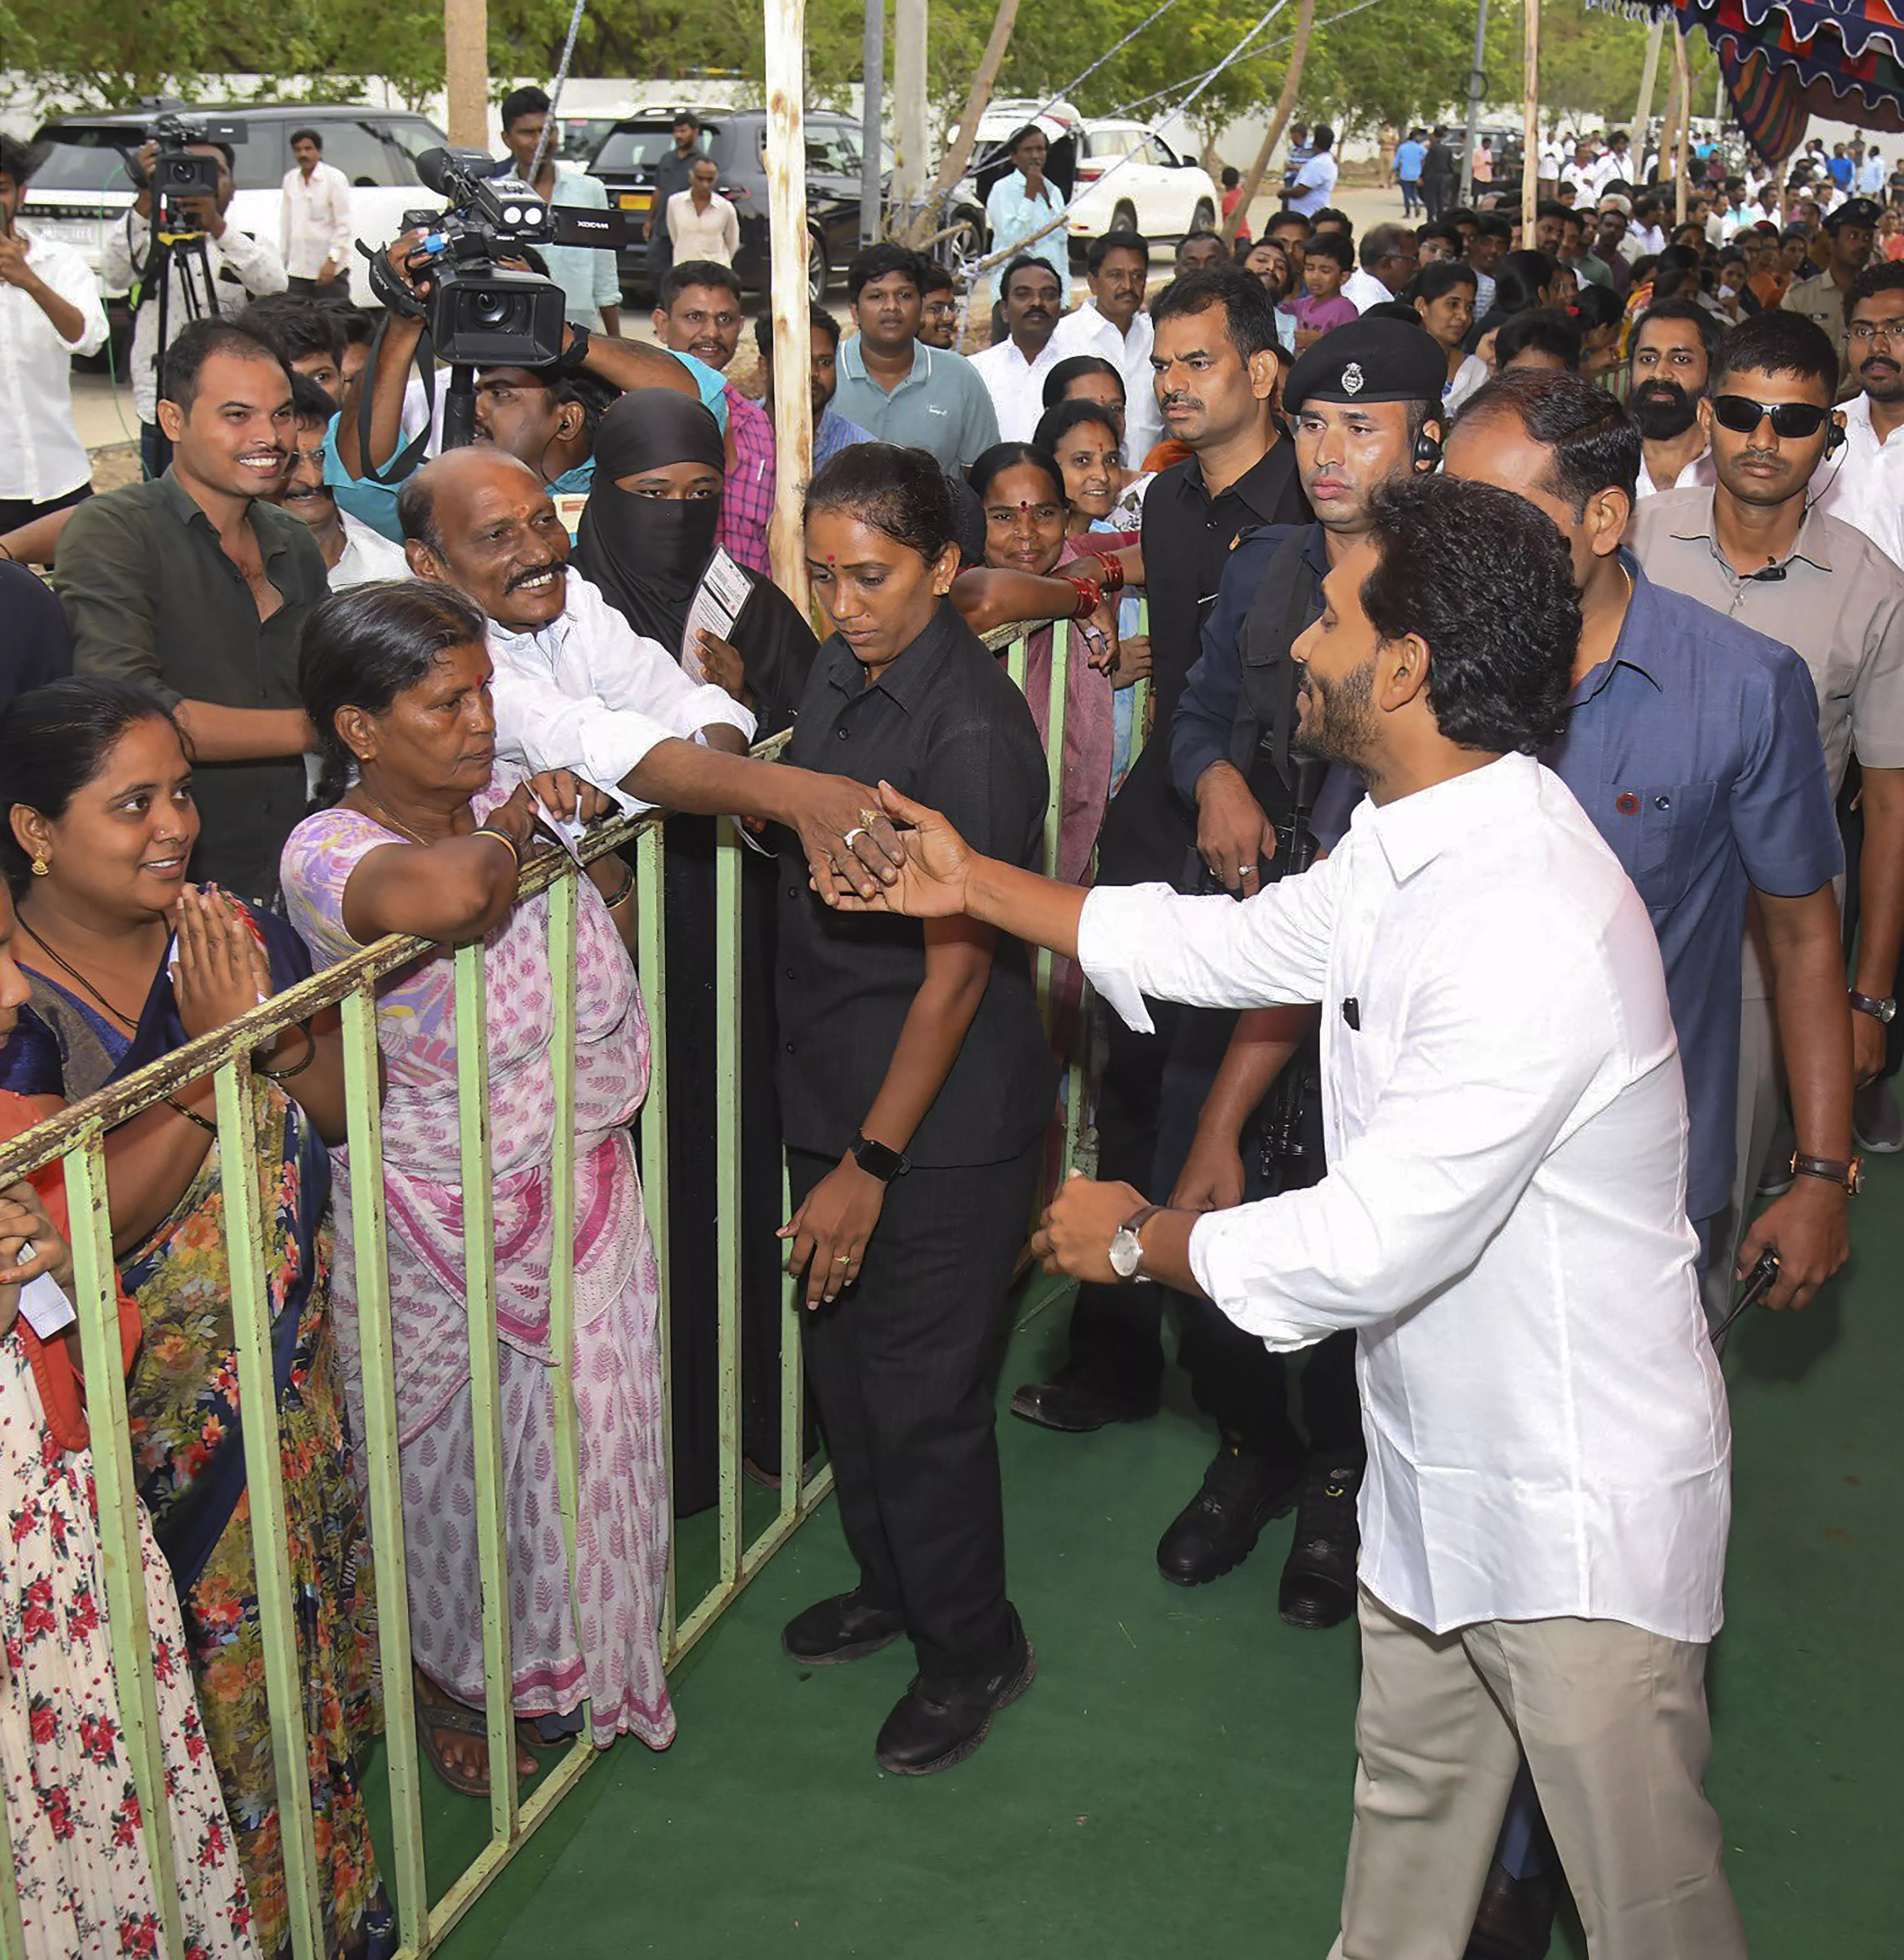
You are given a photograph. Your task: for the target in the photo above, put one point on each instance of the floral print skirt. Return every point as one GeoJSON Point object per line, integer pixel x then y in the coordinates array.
{"type": "Point", "coordinates": [79, 1858]}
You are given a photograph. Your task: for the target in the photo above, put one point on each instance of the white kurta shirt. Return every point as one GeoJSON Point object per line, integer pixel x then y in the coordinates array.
{"type": "Point", "coordinates": [314, 221]}
{"type": "Point", "coordinates": [1503, 1222]}
{"type": "Point", "coordinates": [1016, 385]}
{"type": "Point", "coordinates": [589, 693]}
{"type": "Point", "coordinates": [1085, 330]}
{"type": "Point", "coordinates": [41, 455]}
{"type": "Point", "coordinates": [1863, 485]}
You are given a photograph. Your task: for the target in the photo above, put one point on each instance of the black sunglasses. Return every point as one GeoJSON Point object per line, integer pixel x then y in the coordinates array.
{"type": "Point", "coordinates": [1742, 415]}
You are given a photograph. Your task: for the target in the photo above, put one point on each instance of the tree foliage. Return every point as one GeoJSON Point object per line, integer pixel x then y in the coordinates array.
{"type": "Point", "coordinates": [1369, 61]}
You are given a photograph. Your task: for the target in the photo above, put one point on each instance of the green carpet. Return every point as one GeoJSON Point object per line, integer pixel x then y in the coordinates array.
{"type": "Point", "coordinates": [1179, 1777]}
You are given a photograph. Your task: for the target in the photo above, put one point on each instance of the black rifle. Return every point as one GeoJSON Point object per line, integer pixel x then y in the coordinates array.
{"type": "Point", "coordinates": [1283, 1143]}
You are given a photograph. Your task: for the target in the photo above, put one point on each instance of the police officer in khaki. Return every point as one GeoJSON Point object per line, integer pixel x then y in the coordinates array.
{"type": "Point", "coordinates": [1851, 228]}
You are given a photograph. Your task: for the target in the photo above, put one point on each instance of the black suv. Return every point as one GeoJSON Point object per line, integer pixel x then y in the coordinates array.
{"type": "Point", "coordinates": [736, 139]}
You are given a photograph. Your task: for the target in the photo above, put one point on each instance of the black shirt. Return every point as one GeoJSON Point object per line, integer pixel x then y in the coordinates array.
{"type": "Point", "coordinates": [151, 598]}
{"type": "Point", "coordinates": [1188, 538]}
{"type": "Point", "coordinates": [35, 646]}
{"type": "Point", "coordinates": [942, 723]}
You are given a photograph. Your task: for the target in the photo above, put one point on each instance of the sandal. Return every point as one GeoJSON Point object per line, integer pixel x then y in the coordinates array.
{"type": "Point", "coordinates": [438, 1715]}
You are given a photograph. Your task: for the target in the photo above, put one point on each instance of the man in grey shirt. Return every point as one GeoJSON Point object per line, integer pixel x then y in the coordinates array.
{"type": "Point", "coordinates": [1750, 548]}
{"type": "Point", "coordinates": [897, 389]}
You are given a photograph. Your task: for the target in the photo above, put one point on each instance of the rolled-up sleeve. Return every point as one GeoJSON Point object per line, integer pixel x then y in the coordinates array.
{"type": "Point", "coordinates": [1270, 950]}
{"type": "Point", "coordinates": [68, 274]}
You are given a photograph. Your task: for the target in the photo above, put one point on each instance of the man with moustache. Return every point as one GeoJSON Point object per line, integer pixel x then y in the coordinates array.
{"type": "Point", "coordinates": [1366, 404]}
{"type": "Point", "coordinates": [1113, 323]}
{"type": "Point", "coordinates": [577, 687]}
{"type": "Point", "coordinates": [1848, 231]}
{"type": "Point", "coordinates": [1754, 548]}
{"type": "Point", "coordinates": [196, 586]}
{"type": "Point", "coordinates": [1216, 377]}
{"type": "Point", "coordinates": [1014, 371]}
{"type": "Point", "coordinates": [1666, 366]}
{"type": "Point", "coordinates": [1863, 484]}
{"type": "Point", "coordinates": [353, 553]}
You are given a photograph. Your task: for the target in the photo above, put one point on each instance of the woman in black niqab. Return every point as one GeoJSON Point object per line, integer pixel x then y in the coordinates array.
{"type": "Point", "coordinates": [647, 535]}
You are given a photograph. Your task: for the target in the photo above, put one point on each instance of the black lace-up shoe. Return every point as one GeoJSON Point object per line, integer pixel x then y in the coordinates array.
{"type": "Point", "coordinates": [936, 1724]}
{"type": "Point", "coordinates": [1218, 1528]}
{"type": "Point", "coordinates": [1318, 1586]}
{"type": "Point", "coordinates": [843, 1629]}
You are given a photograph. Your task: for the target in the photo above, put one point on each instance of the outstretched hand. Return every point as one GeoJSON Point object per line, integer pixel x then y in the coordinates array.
{"type": "Point", "coordinates": [931, 882]}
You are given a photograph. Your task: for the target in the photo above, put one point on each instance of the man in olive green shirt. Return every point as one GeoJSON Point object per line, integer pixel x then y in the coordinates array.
{"type": "Point", "coordinates": [1821, 298]}
{"type": "Point", "coordinates": [195, 587]}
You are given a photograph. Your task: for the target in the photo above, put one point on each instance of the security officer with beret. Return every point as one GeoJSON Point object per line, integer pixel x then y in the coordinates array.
{"type": "Point", "coordinates": [1241, 1115]}
{"type": "Point", "coordinates": [1851, 227]}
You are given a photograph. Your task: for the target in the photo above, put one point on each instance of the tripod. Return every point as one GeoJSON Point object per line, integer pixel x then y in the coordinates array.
{"type": "Point", "coordinates": [178, 249]}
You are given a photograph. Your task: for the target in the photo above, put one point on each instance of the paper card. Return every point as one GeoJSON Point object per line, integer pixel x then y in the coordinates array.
{"type": "Point", "coordinates": [568, 507]}
{"type": "Point", "coordinates": [44, 1308]}
{"type": "Point", "coordinates": [723, 590]}
{"type": "Point", "coordinates": [567, 834]}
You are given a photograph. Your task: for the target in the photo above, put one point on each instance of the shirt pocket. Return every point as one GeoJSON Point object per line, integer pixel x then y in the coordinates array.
{"type": "Point", "coordinates": [1657, 831]}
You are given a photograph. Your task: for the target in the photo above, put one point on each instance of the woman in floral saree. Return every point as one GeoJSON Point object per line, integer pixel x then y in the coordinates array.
{"type": "Point", "coordinates": [100, 825]}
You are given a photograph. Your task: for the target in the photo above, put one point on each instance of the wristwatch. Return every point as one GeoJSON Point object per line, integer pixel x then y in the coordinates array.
{"type": "Point", "coordinates": [1879, 1010]}
{"type": "Point", "coordinates": [1128, 1249]}
{"type": "Point", "coordinates": [1851, 1176]}
{"type": "Point", "coordinates": [876, 1160]}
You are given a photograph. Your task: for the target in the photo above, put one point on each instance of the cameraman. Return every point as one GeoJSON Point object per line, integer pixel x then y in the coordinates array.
{"type": "Point", "coordinates": [242, 268]}
{"type": "Point", "coordinates": [622, 364]}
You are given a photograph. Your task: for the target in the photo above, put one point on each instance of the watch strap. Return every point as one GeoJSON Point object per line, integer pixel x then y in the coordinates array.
{"type": "Point", "coordinates": [1849, 1177]}
{"type": "Point", "coordinates": [1879, 1010]}
{"type": "Point", "coordinates": [877, 1159]}
{"type": "Point", "coordinates": [1134, 1225]}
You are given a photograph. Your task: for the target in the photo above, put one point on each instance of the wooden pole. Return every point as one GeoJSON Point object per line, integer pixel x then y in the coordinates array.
{"type": "Point", "coordinates": [1669, 125]}
{"type": "Point", "coordinates": [1683, 86]}
{"type": "Point", "coordinates": [872, 95]}
{"type": "Point", "coordinates": [951, 165]}
{"type": "Point", "coordinates": [786, 24]}
{"type": "Point", "coordinates": [908, 112]}
{"type": "Point", "coordinates": [1278, 121]}
{"type": "Point", "coordinates": [1531, 118]}
{"type": "Point", "coordinates": [466, 50]}
{"type": "Point", "coordinates": [1643, 109]}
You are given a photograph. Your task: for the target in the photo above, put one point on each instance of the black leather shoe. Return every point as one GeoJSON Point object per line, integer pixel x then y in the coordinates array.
{"type": "Point", "coordinates": [936, 1724]}
{"type": "Point", "coordinates": [1218, 1528]}
{"type": "Point", "coordinates": [1318, 1586]}
{"type": "Point", "coordinates": [1514, 1920]}
{"type": "Point", "coordinates": [1072, 1402]}
{"type": "Point", "coordinates": [843, 1629]}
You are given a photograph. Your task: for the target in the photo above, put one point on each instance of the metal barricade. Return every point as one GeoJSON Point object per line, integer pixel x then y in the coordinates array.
{"type": "Point", "coordinates": [76, 1138]}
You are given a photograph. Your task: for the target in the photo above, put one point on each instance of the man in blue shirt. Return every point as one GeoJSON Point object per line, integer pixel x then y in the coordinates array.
{"type": "Point", "coordinates": [1409, 155]}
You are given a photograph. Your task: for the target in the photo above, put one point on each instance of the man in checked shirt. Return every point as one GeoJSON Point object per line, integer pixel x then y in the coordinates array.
{"type": "Point", "coordinates": [699, 313]}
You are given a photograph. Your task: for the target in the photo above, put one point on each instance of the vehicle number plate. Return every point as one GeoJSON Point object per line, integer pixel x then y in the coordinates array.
{"type": "Point", "coordinates": [636, 200]}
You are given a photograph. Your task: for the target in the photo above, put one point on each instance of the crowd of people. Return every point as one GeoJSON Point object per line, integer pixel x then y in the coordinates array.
{"type": "Point", "coordinates": [1548, 585]}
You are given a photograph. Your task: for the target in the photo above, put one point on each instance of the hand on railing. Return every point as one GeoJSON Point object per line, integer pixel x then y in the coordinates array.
{"type": "Point", "coordinates": [566, 795]}
{"type": "Point", "coordinates": [220, 970]}
{"type": "Point", "coordinates": [1131, 662]}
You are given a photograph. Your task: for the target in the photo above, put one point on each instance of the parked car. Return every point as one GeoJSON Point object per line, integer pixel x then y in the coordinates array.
{"type": "Point", "coordinates": [579, 137]}
{"type": "Point", "coordinates": [736, 139]}
{"type": "Point", "coordinates": [83, 186]}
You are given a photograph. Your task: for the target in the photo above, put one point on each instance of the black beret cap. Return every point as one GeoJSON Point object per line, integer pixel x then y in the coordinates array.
{"type": "Point", "coordinates": [1369, 360]}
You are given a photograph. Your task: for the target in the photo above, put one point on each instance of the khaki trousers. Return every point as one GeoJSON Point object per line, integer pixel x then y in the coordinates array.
{"type": "Point", "coordinates": [1613, 1724]}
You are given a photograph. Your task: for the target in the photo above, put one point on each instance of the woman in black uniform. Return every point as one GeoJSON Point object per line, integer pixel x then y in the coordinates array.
{"type": "Point", "coordinates": [915, 1087]}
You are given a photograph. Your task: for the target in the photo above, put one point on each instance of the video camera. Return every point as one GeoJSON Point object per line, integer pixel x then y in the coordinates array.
{"type": "Point", "coordinates": [482, 313]}
{"type": "Point", "coordinates": [178, 172]}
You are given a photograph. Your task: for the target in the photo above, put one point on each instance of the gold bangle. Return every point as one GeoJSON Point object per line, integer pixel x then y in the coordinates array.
{"type": "Point", "coordinates": [507, 843]}
{"type": "Point", "coordinates": [622, 890]}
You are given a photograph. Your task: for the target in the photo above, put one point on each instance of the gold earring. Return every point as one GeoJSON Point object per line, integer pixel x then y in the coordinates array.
{"type": "Point", "coordinates": [41, 865]}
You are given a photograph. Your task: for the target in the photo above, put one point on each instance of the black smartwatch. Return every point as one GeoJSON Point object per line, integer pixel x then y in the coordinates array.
{"type": "Point", "coordinates": [876, 1160]}
{"type": "Point", "coordinates": [572, 357]}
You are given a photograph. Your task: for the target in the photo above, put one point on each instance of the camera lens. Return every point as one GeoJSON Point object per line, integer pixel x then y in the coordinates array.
{"type": "Point", "coordinates": [489, 309]}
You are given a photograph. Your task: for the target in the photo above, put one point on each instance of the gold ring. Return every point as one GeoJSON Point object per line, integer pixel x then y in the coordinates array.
{"type": "Point", "coordinates": [869, 818]}
{"type": "Point", "coordinates": [844, 1259]}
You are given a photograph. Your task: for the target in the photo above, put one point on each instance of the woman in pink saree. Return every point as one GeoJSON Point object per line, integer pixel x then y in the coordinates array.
{"type": "Point", "coordinates": [426, 838]}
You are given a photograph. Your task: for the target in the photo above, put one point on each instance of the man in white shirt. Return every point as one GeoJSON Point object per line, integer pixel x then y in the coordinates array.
{"type": "Point", "coordinates": [1503, 1223]}
{"type": "Point", "coordinates": [1868, 175]}
{"type": "Point", "coordinates": [1112, 323]}
{"type": "Point", "coordinates": [50, 311]}
{"type": "Point", "coordinates": [242, 268]}
{"type": "Point", "coordinates": [1863, 484]}
{"type": "Point", "coordinates": [1014, 371]}
{"type": "Point", "coordinates": [590, 283]}
{"type": "Point", "coordinates": [1313, 184]}
{"type": "Point", "coordinates": [314, 221]}
{"type": "Point", "coordinates": [1389, 259]}
{"type": "Point", "coordinates": [577, 687]}
{"type": "Point", "coordinates": [1668, 366]}
{"type": "Point", "coordinates": [701, 225]}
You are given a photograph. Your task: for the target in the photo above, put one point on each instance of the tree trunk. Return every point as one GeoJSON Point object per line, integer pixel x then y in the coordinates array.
{"type": "Point", "coordinates": [951, 165]}
{"type": "Point", "coordinates": [1285, 108]}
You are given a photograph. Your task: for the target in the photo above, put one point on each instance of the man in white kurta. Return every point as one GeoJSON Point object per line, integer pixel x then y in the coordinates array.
{"type": "Point", "coordinates": [1544, 1517]}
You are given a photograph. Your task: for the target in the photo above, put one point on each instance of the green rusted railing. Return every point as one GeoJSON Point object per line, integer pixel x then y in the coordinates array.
{"type": "Point", "coordinates": [76, 1139]}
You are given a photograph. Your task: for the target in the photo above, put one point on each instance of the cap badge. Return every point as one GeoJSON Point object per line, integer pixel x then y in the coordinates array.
{"type": "Point", "coordinates": [1352, 379]}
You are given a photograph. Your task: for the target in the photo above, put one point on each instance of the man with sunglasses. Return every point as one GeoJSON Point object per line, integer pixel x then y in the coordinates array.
{"type": "Point", "coordinates": [1754, 548]}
